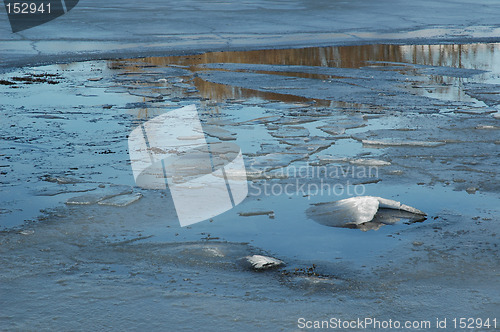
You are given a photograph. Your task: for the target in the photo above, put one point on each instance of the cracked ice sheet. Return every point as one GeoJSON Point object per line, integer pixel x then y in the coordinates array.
{"type": "Point", "coordinates": [72, 102]}
{"type": "Point", "coordinates": [142, 246]}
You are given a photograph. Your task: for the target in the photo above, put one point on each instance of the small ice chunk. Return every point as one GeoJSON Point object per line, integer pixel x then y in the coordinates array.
{"type": "Point", "coordinates": [332, 130]}
{"type": "Point", "coordinates": [146, 94]}
{"type": "Point", "coordinates": [487, 127]}
{"type": "Point", "coordinates": [332, 159]}
{"type": "Point", "coordinates": [220, 133]}
{"type": "Point", "coordinates": [474, 111]}
{"type": "Point", "coordinates": [103, 193]}
{"type": "Point", "coordinates": [121, 200]}
{"type": "Point", "coordinates": [259, 262]}
{"type": "Point", "coordinates": [61, 179]}
{"type": "Point", "coordinates": [402, 143]}
{"type": "Point", "coordinates": [262, 120]}
{"type": "Point", "coordinates": [471, 190]}
{"type": "Point", "coordinates": [370, 162]}
{"type": "Point", "coordinates": [257, 213]}
{"type": "Point", "coordinates": [88, 199]}
{"type": "Point", "coordinates": [290, 131]}
{"type": "Point", "coordinates": [48, 191]}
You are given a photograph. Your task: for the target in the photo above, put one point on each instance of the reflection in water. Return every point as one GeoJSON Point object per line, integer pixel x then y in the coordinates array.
{"type": "Point", "coordinates": [470, 56]}
{"type": "Point", "coordinates": [460, 56]}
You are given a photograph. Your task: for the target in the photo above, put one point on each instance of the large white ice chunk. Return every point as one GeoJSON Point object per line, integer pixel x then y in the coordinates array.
{"type": "Point", "coordinates": [356, 211]}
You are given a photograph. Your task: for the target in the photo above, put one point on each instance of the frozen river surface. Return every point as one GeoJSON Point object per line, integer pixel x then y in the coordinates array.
{"type": "Point", "coordinates": [422, 119]}
{"type": "Point", "coordinates": [83, 248]}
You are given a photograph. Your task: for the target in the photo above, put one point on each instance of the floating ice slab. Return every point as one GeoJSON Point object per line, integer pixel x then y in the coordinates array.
{"type": "Point", "coordinates": [61, 179]}
{"type": "Point", "coordinates": [105, 193]}
{"type": "Point", "coordinates": [325, 159]}
{"type": "Point", "coordinates": [333, 130]}
{"type": "Point", "coordinates": [269, 213]}
{"type": "Point", "coordinates": [146, 94]}
{"type": "Point", "coordinates": [88, 199]}
{"type": "Point", "coordinates": [369, 162]}
{"type": "Point", "coordinates": [402, 143]}
{"type": "Point", "coordinates": [122, 200]}
{"type": "Point", "coordinates": [359, 210]}
{"type": "Point", "coordinates": [487, 127]}
{"type": "Point", "coordinates": [290, 131]}
{"type": "Point", "coordinates": [274, 160]}
{"type": "Point", "coordinates": [220, 133]}
{"type": "Point", "coordinates": [47, 191]}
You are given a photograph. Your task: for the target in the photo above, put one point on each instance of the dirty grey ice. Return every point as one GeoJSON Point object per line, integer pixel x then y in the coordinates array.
{"type": "Point", "coordinates": [406, 123]}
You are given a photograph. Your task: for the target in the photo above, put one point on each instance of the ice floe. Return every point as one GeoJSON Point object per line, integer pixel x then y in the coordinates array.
{"type": "Point", "coordinates": [369, 162]}
{"type": "Point", "coordinates": [100, 195]}
{"type": "Point", "coordinates": [402, 143]}
{"type": "Point", "coordinates": [121, 200]}
{"type": "Point", "coordinates": [357, 211]}
{"type": "Point", "coordinates": [259, 262]}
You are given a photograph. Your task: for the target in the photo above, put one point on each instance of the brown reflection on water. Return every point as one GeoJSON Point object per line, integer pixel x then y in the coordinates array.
{"type": "Point", "coordinates": [344, 56]}
{"type": "Point", "coordinates": [340, 56]}
{"type": "Point", "coordinates": [472, 56]}
{"type": "Point", "coordinates": [220, 92]}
